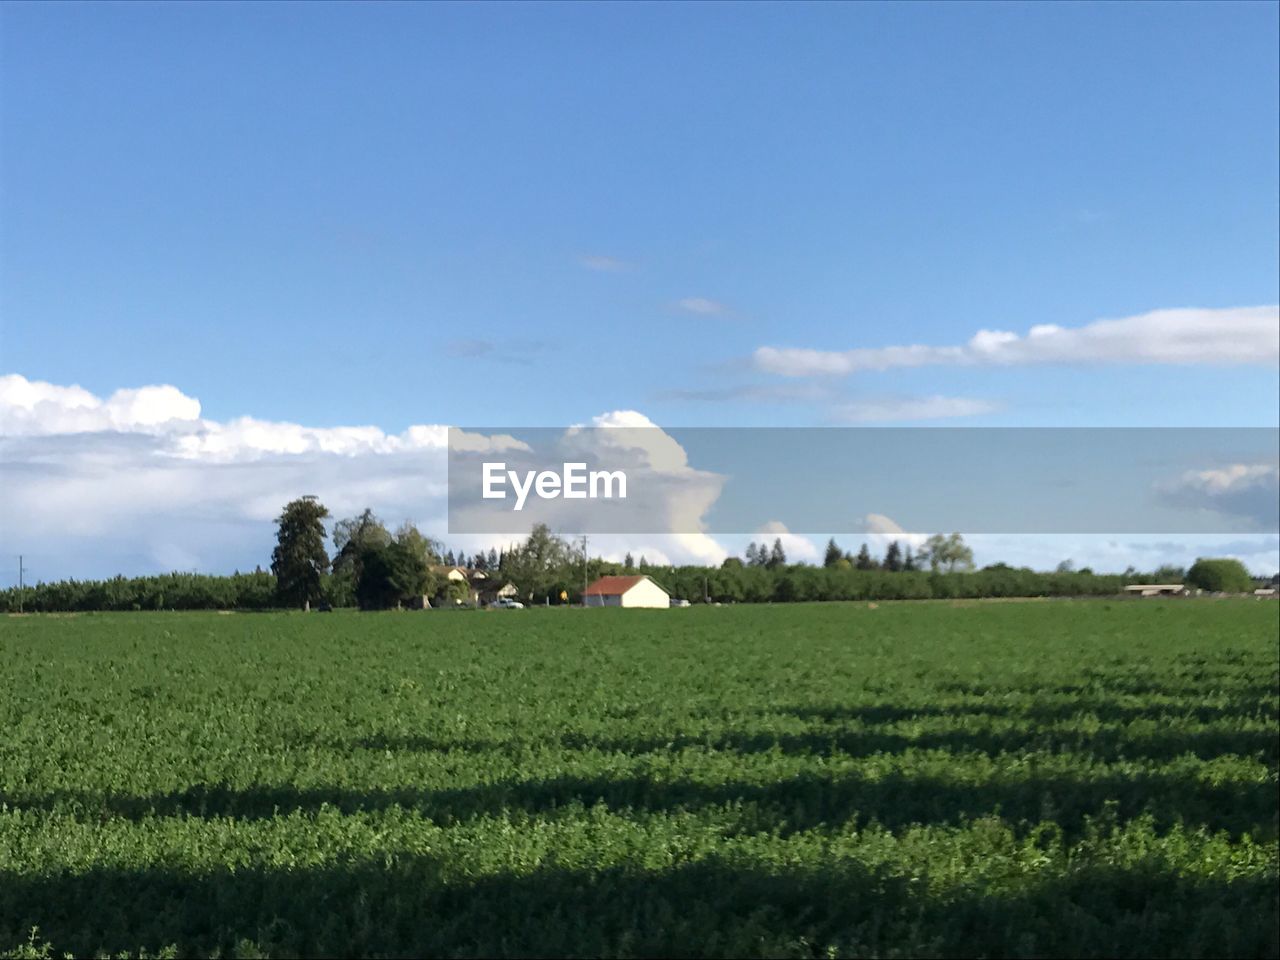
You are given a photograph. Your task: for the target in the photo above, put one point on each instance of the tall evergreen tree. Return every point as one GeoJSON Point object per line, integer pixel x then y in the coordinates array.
{"type": "Point", "coordinates": [864, 561]}
{"type": "Point", "coordinates": [893, 557]}
{"type": "Point", "coordinates": [833, 554]}
{"type": "Point", "coordinates": [628, 562]}
{"type": "Point", "coordinates": [909, 561]}
{"type": "Point", "coordinates": [777, 556]}
{"type": "Point", "coordinates": [299, 558]}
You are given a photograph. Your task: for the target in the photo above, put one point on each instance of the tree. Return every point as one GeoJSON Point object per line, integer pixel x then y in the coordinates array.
{"type": "Point", "coordinates": [893, 557]}
{"type": "Point", "coordinates": [950, 553]}
{"type": "Point", "coordinates": [909, 564]}
{"type": "Point", "coordinates": [539, 562]}
{"type": "Point", "coordinates": [1219, 576]}
{"type": "Point", "coordinates": [864, 561]}
{"type": "Point", "coordinates": [351, 537]}
{"type": "Point", "coordinates": [390, 574]}
{"type": "Point", "coordinates": [959, 554]}
{"type": "Point", "coordinates": [423, 548]}
{"type": "Point", "coordinates": [628, 562]}
{"type": "Point", "coordinates": [1170, 573]}
{"type": "Point", "coordinates": [777, 556]}
{"type": "Point", "coordinates": [493, 559]}
{"type": "Point", "coordinates": [833, 554]}
{"type": "Point", "coordinates": [449, 560]}
{"type": "Point", "coordinates": [299, 559]}
{"type": "Point", "coordinates": [750, 555]}
{"type": "Point", "coordinates": [1067, 566]}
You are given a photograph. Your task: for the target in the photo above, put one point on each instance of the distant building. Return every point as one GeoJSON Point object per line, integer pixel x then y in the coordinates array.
{"type": "Point", "coordinates": [626, 592]}
{"type": "Point", "coordinates": [477, 581]}
{"type": "Point", "coordinates": [496, 590]}
{"type": "Point", "coordinates": [1156, 589]}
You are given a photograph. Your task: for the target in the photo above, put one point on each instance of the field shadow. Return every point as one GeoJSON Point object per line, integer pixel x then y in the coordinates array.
{"type": "Point", "coordinates": [857, 732]}
{"type": "Point", "coordinates": [807, 801]}
{"type": "Point", "coordinates": [418, 906]}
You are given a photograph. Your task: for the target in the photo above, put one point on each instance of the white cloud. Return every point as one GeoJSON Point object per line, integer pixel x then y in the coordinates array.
{"type": "Point", "coordinates": [1241, 335]}
{"type": "Point", "coordinates": [701, 305]}
{"type": "Point", "coordinates": [1240, 490]}
{"type": "Point", "coordinates": [798, 549]}
{"type": "Point", "coordinates": [912, 408]}
{"type": "Point", "coordinates": [35, 408]}
{"type": "Point", "coordinates": [140, 482]}
{"type": "Point", "coordinates": [881, 531]}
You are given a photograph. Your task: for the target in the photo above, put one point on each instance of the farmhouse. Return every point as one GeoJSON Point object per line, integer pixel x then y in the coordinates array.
{"type": "Point", "coordinates": [480, 589]}
{"type": "Point", "coordinates": [626, 592]}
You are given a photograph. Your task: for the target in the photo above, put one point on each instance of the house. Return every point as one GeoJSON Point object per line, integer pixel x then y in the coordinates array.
{"type": "Point", "coordinates": [626, 592]}
{"type": "Point", "coordinates": [1156, 589]}
{"type": "Point", "coordinates": [476, 581]}
{"type": "Point", "coordinates": [495, 590]}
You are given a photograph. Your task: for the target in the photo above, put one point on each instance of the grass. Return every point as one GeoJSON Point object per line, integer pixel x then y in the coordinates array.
{"type": "Point", "coordinates": [1016, 779]}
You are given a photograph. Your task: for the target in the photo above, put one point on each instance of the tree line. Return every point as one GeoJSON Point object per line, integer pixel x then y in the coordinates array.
{"type": "Point", "coordinates": [376, 568]}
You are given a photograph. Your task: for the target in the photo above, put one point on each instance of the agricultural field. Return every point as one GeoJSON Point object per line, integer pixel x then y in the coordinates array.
{"type": "Point", "coordinates": [1051, 778]}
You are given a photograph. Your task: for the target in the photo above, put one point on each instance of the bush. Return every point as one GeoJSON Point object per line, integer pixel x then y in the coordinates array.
{"type": "Point", "coordinates": [1220, 576]}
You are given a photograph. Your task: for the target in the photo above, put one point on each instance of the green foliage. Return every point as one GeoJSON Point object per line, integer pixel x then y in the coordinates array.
{"type": "Point", "coordinates": [947, 554]}
{"type": "Point", "coordinates": [169, 591]}
{"type": "Point", "coordinates": [351, 538]}
{"type": "Point", "coordinates": [732, 582]}
{"type": "Point", "coordinates": [299, 560]}
{"type": "Point", "coordinates": [1220, 576]}
{"type": "Point", "coordinates": [833, 554]}
{"type": "Point", "coordinates": [390, 574]}
{"type": "Point", "coordinates": [538, 565]}
{"type": "Point", "coordinates": [954, 779]}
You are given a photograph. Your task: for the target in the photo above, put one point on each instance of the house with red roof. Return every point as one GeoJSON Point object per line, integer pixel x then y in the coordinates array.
{"type": "Point", "coordinates": [636, 591]}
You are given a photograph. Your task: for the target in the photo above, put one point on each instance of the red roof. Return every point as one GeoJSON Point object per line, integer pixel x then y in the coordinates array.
{"type": "Point", "coordinates": [613, 586]}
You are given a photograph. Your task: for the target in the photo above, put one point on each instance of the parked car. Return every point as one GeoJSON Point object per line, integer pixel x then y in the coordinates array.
{"type": "Point", "coordinates": [508, 603]}
{"type": "Point", "coordinates": [677, 602]}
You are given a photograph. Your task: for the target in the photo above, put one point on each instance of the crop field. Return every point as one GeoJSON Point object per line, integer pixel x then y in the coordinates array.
{"type": "Point", "coordinates": [939, 779]}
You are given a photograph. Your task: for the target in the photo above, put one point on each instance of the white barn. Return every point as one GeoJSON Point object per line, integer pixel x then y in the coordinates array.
{"type": "Point", "coordinates": [626, 592]}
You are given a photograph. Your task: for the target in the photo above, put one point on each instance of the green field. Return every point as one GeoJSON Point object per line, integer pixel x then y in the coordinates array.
{"type": "Point", "coordinates": [957, 779]}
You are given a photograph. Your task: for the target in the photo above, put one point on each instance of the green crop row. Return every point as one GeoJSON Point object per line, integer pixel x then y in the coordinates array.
{"type": "Point", "coordinates": [1061, 778]}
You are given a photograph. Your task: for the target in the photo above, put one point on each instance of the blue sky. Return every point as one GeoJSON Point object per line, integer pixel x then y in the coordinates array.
{"type": "Point", "coordinates": [387, 215]}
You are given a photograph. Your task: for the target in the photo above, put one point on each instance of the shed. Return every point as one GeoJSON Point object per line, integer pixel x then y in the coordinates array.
{"type": "Point", "coordinates": [626, 592]}
{"type": "Point", "coordinates": [1156, 589]}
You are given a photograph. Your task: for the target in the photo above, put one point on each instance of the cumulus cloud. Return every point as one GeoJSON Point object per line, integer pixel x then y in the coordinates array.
{"type": "Point", "coordinates": [37, 408]}
{"type": "Point", "coordinates": [880, 531]}
{"type": "Point", "coordinates": [1240, 335]}
{"type": "Point", "coordinates": [894, 409]}
{"type": "Point", "coordinates": [139, 481]}
{"type": "Point", "coordinates": [1246, 491]}
{"type": "Point", "coordinates": [666, 495]}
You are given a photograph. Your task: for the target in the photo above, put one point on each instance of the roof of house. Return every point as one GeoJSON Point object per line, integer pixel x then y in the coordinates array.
{"type": "Point", "coordinates": [614, 586]}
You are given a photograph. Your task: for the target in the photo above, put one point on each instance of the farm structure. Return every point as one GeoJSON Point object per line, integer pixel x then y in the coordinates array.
{"type": "Point", "coordinates": [638, 591]}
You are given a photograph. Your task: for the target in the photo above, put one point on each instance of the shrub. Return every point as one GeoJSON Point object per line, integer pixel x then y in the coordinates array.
{"type": "Point", "coordinates": [1220, 576]}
